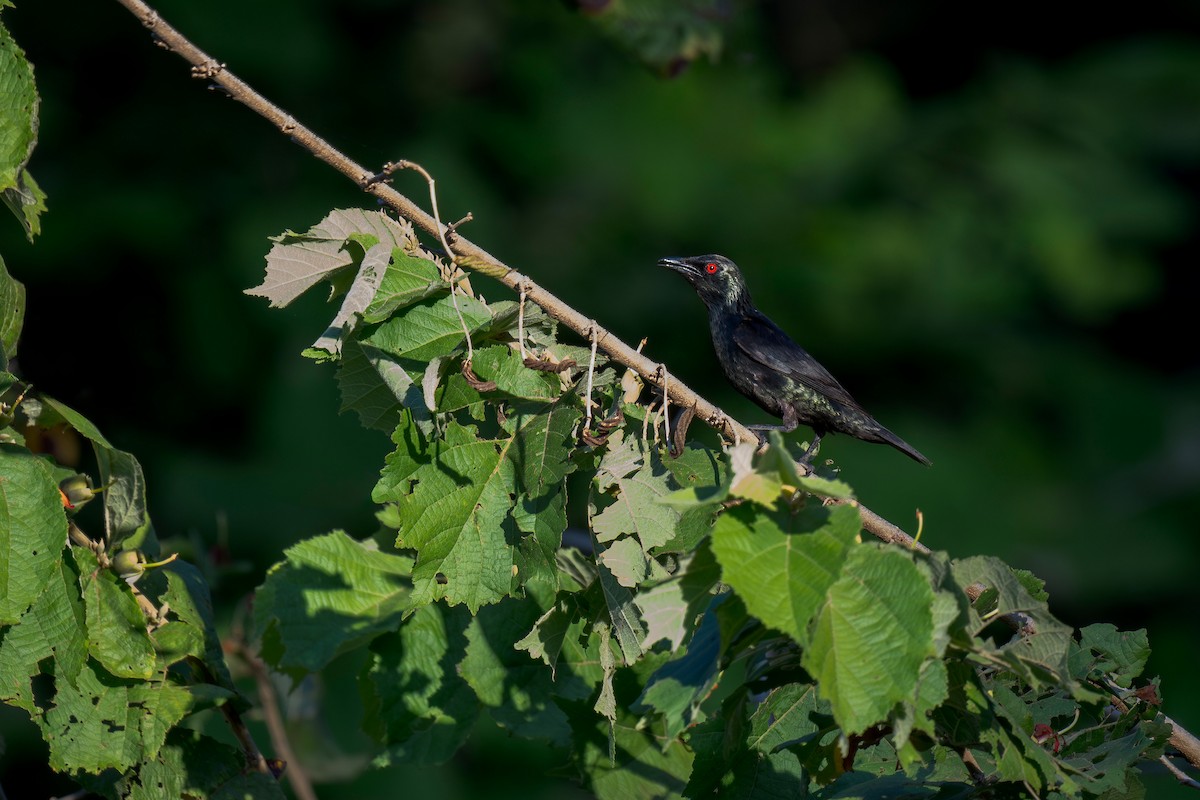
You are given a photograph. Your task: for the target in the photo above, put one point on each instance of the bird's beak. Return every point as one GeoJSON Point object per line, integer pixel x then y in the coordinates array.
{"type": "Point", "coordinates": [678, 265]}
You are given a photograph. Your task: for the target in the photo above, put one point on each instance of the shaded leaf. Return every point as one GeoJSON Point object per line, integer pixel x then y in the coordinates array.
{"type": "Point", "coordinates": [330, 594]}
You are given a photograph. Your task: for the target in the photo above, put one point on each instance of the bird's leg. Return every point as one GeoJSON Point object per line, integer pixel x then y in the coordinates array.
{"type": "Point", "coordinates": [790, 423]}
{"type": "Point", "coordinates": [813, 447]}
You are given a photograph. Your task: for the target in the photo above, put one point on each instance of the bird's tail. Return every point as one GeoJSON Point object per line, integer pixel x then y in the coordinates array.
{"type": "Point", "coordinates": [887, 437]}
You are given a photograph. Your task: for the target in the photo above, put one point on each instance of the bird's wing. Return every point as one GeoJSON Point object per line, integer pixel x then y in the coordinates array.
{"type": "Point", "coordinates": [766, 343]}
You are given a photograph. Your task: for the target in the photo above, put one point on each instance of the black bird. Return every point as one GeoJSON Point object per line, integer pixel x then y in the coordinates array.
{"type": "Point", "coordinates": [763, 363]}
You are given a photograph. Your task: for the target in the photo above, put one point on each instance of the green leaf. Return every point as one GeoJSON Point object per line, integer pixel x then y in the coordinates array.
{"type": "Point", "coordinates": [757, 764]}
{"type": "Point", "coordinates": [192, 765]}
{"type": "Point", "coordinates": [55, 411]}
{"type": "Point", "coordinates": [116, 627]}
{"type": "Point", "coordinates": [626, 624]}
{"type": "Point", "coordinates": [1103, 649]}
{"type": "Point", "coordinates": [671, 609]}
{"type": "Point", "coordinates": [50, 638]}
{"type": "Point", "coordinates": [406, 280]}
{"type": "Point", "coordinates": [457, 519]}
{"type": "Point", "coordinates": [375, 386]}
{"type": "Point", "coordinates": [541, 455]}
{"type": "Point", "coordinates": [647, 765]}
{"type": "Point", "coordinates": [873, 633]}
{"type": "Point", "coordinates": [395, 479]}
{"type": "Point", "coordinates": [503, 365]}
{"type": "Point", "coordinates": [417, 704]}
{"type": "Point", "coordinates": [191, 626]}
{"type": "Point", "coordinates": [18, 135]}
{"type": "Point", "coordinates": [560, 633]}
{"type": "Point", "coordinates": [677, 688]}
{"type": "Point", "coordinates": [126, 520]}
{"type": "Point", "coordinates": [781, 564]}
{"type": "Point", "coordinates": [430, 328]}
{"type": "Point", "coordinates": [629, 483]}
{"type": "Point", "coordinates": [33, 529]}
{"type": "Point", "coordinates": [12, 314]}
{"type": "Point", "coordinates": [329, 595]}
{"type": "Point", "coordinates": [1039, 657]}
{"type": "Point", "coordinates": [626, 561]}
{"type": "Point", "coordinates": [516, 689]}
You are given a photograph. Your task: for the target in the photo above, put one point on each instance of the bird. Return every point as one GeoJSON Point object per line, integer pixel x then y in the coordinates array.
{"type": "Point", "coordinates": [767, 366]}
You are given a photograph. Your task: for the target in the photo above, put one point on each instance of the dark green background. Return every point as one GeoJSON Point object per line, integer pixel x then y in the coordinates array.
{"type": "Point", "coordinates": [984, 222]}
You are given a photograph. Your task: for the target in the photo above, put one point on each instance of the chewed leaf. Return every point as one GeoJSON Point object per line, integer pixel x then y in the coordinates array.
{"type": "Point", "coordinates": [297, 262]}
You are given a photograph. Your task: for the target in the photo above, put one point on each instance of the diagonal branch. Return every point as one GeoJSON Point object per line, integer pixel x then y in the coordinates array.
{"type": "Point", "coordinates": [465, 253]}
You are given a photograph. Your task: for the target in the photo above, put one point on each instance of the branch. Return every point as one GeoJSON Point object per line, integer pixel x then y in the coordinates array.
{"type": "Point", "coordinates": [268, 700]}
{"type": "Point", "coordinates": [465, 253]}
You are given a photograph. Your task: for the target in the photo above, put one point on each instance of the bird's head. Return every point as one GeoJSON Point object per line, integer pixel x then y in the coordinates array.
{"type": "Point", "coordinates": [715, 278]}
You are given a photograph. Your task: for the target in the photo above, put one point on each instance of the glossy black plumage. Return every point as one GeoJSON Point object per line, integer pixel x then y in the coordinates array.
{"type": "Point", "coordinates": [763, 363]}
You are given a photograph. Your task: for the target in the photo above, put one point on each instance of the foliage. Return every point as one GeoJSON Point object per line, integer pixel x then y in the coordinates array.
{"type": "Point", "coordinates": [721, 629]}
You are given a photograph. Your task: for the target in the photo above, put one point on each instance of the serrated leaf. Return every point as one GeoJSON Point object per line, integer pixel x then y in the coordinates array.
{"type": "Point", "coordinates": [632, 479]}
{"type": "Point", "coordinates": [429, 328]}
{"type": "Point", "coordinates": [545, 640]}
{"type": "Point", "coordinates": [627, 626]}
{"type": "Point", "coordinates": [676, 689]}
{"type": "Point", "coordinates": [126, 520]}
{"type": "Point", "coordinates": [516, 689]}
{"type": "Point", "coordinates": [192, 765]}
{"type": "Point", "coordinates": [627, 561]}
{"type": "Point", "coordinates": [406, 280]}
{"type": "Point", "coordinates": [33, 529]}
{"type": "Point", "coordinates": [670, 609]}
{"type": "Point", "coordinates": [50, 637]}
{"type": "Point", "coordinates": [12, 314]}
{"type": "Point", "coordinates": [18, 135]}
{"type": "Point", "coordinates": [375, 386]}
{"type": "Point", "coordinates": [503, 365]}
{"type": "Point", "coordinates": [1120, 655]}
{"type": "Point", "coordinates": [541, 454]}
{"type": "Point", "coordinates": [55, 411]}
{"type": "Point", "coordinates": [330, 594]}
{"type": "Point", "coordinates": [297, 262]}
{"type": "Point", "coordinates": [873, 633]}
{"type": "Point", "coordinates": [417, 705]}
{"type": "Point", "coordinates": [456, 520]}
{"type": "Point", "coordinates": [781, 565]}
{"type": "Point", "coordinates": [27, 201]}
{"type": "Point", "coordinates": [191, 626]}
{"type": "Point", "coordinates": [756, 765]}
{"type": "Point", "coordinates": [116, 627]}
{"type": "Point", "coordinates": [410, 454]}
{"type": "Point", "coordinates": [1039, 657]}
{"type": "Point", "coordinates": [642, 764]}
{"type": "Point", "coordinates": [760, 482]}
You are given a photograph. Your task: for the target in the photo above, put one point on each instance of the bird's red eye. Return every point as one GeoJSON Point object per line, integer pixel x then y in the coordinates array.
{"type": "Point", "coordinates": [711, 268]}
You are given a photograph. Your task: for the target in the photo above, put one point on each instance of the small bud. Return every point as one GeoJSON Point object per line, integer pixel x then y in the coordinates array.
{"type": "Point", "coordinates": [76, 490]}
{"type": "Point", "coordinates": [129, 564]}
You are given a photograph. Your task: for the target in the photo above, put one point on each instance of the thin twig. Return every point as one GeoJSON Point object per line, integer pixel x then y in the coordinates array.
{"type": "Point", "coordinates": [442, 230]}
{"type": "Point", "coordinates": [587, 401]}
{"type": "Point", "coordinates": [1179, 774]}
{"type": "Point", "coordinates": [268, 701]}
